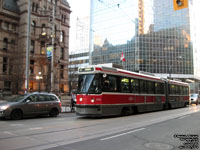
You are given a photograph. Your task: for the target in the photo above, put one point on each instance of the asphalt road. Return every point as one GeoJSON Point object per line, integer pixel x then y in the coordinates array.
{"type": "Point", "coordinates": [171, 134]}
{"type": "Point", "coordinates": [154, 131]}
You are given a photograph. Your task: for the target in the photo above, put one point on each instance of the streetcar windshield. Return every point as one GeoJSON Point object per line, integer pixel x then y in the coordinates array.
{"type": "Point", "coordinates": [88, 84]}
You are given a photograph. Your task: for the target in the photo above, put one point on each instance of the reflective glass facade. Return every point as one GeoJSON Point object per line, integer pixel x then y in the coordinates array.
{"type": "Point", "coordinates": [153, 37]}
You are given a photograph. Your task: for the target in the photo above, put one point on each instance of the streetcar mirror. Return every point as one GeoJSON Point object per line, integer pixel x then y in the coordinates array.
{"type": "Point", "coordinates": [104, 75]}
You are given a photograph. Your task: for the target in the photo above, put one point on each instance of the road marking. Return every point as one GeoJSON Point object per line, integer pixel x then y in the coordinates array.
{"type": "Point", "coordinates": [183, 116]}
{"type": "Point", "coordinates": [16, 125]}
{"type": "Point", "coordinates": [7, 132]}
{"type": "Point", "coordinates": [122, 134]}
{"type": "Point", "coordinates": [37, 128]}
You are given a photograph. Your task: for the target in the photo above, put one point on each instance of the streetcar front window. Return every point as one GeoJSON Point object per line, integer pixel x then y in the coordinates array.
{"type": "Point", "coordinates": [89, 84]}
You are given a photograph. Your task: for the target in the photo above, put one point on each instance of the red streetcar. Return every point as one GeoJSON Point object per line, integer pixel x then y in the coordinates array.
{"type": "Point", "coordinates": [107, 91]}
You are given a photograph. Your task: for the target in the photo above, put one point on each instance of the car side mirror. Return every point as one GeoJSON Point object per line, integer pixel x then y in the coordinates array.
{"type": "Point", "coordinates": [28, 101]}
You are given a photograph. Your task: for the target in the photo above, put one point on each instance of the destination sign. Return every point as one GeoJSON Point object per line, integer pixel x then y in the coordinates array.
{"type": "Point", "coordinates": [86, 69]}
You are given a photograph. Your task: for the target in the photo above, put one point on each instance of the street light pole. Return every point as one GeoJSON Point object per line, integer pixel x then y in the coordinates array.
{"type": "Point", "coordinates": [28, 48]}
{"type": "Point", "coordinates": [91, 33]}
{"type": "Point", "coordinates": [52, 54]}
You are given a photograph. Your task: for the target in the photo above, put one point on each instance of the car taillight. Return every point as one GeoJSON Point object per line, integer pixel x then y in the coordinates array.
{"type": "Point", "coordinates": [60, 104]}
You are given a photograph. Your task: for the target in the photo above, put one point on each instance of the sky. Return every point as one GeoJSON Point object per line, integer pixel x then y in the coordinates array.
{"type": "Point", "coordinates": [81, 9]}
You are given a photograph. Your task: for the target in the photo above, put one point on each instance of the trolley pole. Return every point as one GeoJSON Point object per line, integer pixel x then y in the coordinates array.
{"type": "Point", "coordinates": [52, 54]}
{"type": "Point", "coordinates": [27, 49]}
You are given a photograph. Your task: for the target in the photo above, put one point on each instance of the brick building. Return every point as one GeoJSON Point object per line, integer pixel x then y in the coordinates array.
{"type": "Point", "coordinates": [13, 42]}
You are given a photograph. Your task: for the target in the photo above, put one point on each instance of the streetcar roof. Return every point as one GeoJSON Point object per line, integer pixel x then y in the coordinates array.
{"type": "Point", "coordinates": [116, 71]}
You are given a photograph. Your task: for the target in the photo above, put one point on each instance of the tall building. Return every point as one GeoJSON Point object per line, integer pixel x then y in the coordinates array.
{"type": "Point", "coordinates": [153, 37]}
{"type": "Point", "coordinates": [80, 56]}
{"type": "Point", "coordinates": [13, 42]}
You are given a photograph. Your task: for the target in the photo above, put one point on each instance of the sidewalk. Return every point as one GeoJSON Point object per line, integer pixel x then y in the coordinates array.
{"type": "Point", "coordinates": [67, 109]}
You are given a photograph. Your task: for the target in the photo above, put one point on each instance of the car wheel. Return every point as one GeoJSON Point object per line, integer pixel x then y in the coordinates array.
{"type": "Point", "coordinates": [54, 112]}
{"type": "Point", "coordinates": [16, 114]}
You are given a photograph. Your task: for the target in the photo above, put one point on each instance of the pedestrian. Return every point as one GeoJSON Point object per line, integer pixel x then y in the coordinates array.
{"type": "Point", "coordinates": [73, 97]}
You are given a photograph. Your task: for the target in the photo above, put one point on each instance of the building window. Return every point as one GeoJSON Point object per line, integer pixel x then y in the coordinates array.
{"type": "Point", "coordinates": [62, 88]}
{"type": "Point", "coordinates": [33, 7]}
{"type": "Point", "coordinates": [36, 8]}
{"type": "Point", "coordinates": [12, 42]}
{"type": "Point", "coordinates": [32, 62]}
{"type": "Point", "coordinates": [1, 24]}
{"type": "Point", "coordinates": [7, 85]}
{"type": "Point", "coordinates": [5, 44]}
{"type": "Point", "coordinates": [32, 66]}
{"type": "Point", "coordinates": [11, 67]}
{"type": "Point", "coordinates": [5, 65]}
{"type": "Point", "coordinates": [31, 69]}
{"type": "Point", "coordinates": [33, 25]}
{"type": "Point", "coordinates": [62, 53]}
{"type": "Point", "coordinates": [14, 27]}
{"type": "Point", "coordinates": [6, 25]}
{"type": "Point", "coordinates": [64, 19]}
{"type": "Point", "coordinates": [62, 35]}
{"type": "Point", "coordinates": [32, 48]}
{"type": "Point", "coordinates": [55, 30]}
{"type": "Point", "coordinates": [42, 49]}
{"type": "Point", "coordinates": [43, 31]}
{"type": "Point", "coordinates": [62, 71]}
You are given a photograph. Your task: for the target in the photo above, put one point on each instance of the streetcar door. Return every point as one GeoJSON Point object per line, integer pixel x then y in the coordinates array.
{"type": "Point", "coordinates": [167, 92]}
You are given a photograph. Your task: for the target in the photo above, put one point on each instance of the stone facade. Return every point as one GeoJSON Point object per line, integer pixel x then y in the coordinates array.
{"type": "Point", "coordinates": [13, 43]}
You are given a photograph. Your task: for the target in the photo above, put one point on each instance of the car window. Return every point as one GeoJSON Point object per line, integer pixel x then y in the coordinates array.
{"type": "Point", "coordinates": [52, 98]}
{"type": "Point", "coordinates": [43, 98]}
{"type": "Point", "coordinates": [33, 98]}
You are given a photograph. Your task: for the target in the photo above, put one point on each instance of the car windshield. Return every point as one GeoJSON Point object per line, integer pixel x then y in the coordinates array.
{"type": "Point", "coordinates": [17, 98]}
{"type": "Point", "coordinates": [194, 95]}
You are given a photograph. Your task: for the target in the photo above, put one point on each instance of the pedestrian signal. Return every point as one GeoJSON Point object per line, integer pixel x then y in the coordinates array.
{"type": "Point", "coordinates": [180, 4]}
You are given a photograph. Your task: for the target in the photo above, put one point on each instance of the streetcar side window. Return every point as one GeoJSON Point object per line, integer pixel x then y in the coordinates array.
{"type": "Point", "coordinates": [125, 85]}
{"type": "Point", "coordinates": [181, 90]}
{"type": "Point", "coordinates": [159, 88]}
{"type": "Point", "coordinates": [150, 87]}
{"type": "Point", "coordinates": [109, 83]}
{"type": "Point", "coordinates": [135, 85]}
{"type": "Point", "coordinates": [171, 89]}
{"type": "Point", "coordinates": [185, 90]}
{"type": "Point", "coordinates": [177, 90]}
{"type": "Point", "coordinates": [143, 86]}
{"type": "Point", "coordinates": [174, 89]}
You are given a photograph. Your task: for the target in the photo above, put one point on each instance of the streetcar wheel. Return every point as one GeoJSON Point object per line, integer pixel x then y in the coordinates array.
{"type": "Point", "coordinates": [126, 111]}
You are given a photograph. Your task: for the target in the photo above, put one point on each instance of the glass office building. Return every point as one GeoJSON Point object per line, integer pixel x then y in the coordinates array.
{"type": "Point", "coordinates": [153, 37]}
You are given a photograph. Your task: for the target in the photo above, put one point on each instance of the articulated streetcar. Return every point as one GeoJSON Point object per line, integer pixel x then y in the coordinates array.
{"type": "Point", "coordinates": [107, 91]}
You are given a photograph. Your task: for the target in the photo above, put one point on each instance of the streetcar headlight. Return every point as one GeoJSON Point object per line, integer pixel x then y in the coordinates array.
{"type": "Point", "coordinates": [92, 100]}
{"type": "Point", "coordinates": [81, 99]}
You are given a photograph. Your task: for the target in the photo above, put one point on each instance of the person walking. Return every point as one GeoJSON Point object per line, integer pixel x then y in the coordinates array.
{"type": "Point", "coordinates": [73, 101]}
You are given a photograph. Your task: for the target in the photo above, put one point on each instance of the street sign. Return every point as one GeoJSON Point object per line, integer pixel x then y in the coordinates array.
{"type": "Point", "coordinates": [49, 51]}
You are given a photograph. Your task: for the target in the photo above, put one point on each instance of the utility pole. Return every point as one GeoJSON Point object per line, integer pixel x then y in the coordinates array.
{"type": "Point", "coordinates": [91, 33]}
{"type": "Point", "coordinates": [53, 40]}
{"type": "Point", "coordinates": [28, 48]}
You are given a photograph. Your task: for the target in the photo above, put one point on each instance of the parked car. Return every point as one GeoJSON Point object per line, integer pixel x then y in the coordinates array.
{"type": "Point", "coordinates": [194, 98]}
{"type": "Point", "coordinates": [32, 104]}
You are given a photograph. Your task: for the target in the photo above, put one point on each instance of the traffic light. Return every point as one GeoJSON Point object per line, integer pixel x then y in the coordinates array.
{"type": "Point", "coordinates": [180, 4]}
